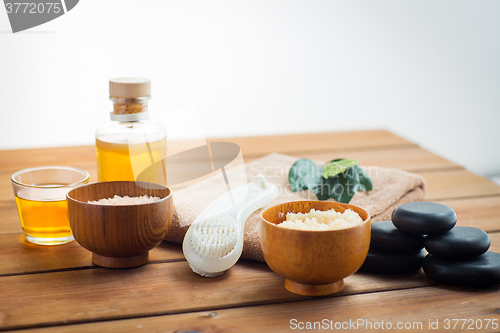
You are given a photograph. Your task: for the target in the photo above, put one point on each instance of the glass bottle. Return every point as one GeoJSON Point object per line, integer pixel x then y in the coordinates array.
{"type": "Point", "coordinates": [130, 142]}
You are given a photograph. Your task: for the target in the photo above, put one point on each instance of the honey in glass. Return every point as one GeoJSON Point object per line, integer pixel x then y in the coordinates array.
{"type": "Point", "coordinates": [41, 202]}
{"type": "Point", "coordinates": [46, 220]}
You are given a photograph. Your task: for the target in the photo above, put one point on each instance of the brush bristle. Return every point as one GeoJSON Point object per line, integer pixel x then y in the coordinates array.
{"type": "Point", "coordinates": [215, 237]}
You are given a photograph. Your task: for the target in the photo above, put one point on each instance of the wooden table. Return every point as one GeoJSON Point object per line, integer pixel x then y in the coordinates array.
{"type": "Point", "coordinates": [47, 288]}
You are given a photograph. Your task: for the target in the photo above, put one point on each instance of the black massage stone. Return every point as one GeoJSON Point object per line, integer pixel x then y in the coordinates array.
{"type": "Point", "coordinates": [383, 263]}
{"type": "Point", "coordinates": [386, 237]}
{"type": "Point", "coordinates": [458, 243]}
{"type": "Point", "coordinates": [480, 271]}
{"type": "Point", "coordinates": [424, 218]}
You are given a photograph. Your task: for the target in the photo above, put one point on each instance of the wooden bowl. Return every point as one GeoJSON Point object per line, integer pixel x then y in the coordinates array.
{"type": "Point", "coordinates": [119, 236]}
{"type": "Point", "coordinates": [313, 263]}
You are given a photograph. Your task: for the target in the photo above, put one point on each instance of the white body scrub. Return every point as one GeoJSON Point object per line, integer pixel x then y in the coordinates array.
{"type": "Point", "coordinates": [322, 220]}
{"type": "Point", "coordinates": [126, 200]}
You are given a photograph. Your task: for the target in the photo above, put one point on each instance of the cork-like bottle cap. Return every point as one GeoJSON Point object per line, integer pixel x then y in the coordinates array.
{"type": "Point", "coordinates": [130, 87]}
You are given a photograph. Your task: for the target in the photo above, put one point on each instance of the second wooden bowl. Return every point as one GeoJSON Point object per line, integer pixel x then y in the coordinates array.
{"type": "Point", "coordinates": [313, 263]}
{"type": "Point", "coordinates": [119, 236]}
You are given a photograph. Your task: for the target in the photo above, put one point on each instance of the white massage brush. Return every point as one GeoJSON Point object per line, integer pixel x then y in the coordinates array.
{"type": "Point", "coordinates": [213, 243]}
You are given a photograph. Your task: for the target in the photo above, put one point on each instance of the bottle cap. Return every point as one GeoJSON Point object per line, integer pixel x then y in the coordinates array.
{"type": "Point", "coordinates": [130, 87]}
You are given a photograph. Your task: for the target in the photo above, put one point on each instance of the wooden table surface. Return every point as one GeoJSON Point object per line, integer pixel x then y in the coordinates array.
{"type": "Point", "coordinates": [47, 288]}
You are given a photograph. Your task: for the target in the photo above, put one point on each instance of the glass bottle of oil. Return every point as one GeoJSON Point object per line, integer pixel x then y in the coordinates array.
{"type": "Point", "coordinates": [130, 142]}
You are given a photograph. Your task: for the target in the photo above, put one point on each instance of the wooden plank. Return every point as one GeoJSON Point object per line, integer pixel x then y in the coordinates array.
{"type": "Point", "coordinates": [172, 288]}
{"type": "Point", "coordinates": [164, 289]}
{"type": "Point", "coordinates": [406, 158]}
{"type": "Point", "coordinates": [21, 257]}
{"type": "Point", "coordinates": [79, 156]}
{"type": "Point", "coordinates": [9, 218]}
{"type": "Point", "coordinates": [18, 256]}
{"type": "Point", "coordinates": [154, 289]}
{"type": "Point", "coordinates": [12, 160]}
{"type": "Point", "coordinates": [252, 147]}
{"type": "Point", "coordinates": [316, 142]}
{"type": "Point", "coordinates": [157, 289]}
{"type": "Point", "coordinates": [441, 185]}
{"type": "Point", "coordinates": [411, 159]}
{"type": "Point", "coordinates": [483, 212]}
{"type": "Point", "coordinates": [454, 184]}
{"type": "Point", "coordinates": [416, 308]}
{"type": "Point", "coordinates": [495, 241]}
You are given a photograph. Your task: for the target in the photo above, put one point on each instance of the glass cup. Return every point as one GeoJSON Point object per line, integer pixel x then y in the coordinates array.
{"type": "Point", "coordinates": [41, 202]}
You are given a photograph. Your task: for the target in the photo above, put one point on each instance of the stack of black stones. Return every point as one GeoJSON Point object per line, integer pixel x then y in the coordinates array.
{"type": "Point", "coordinates": [457, 255]}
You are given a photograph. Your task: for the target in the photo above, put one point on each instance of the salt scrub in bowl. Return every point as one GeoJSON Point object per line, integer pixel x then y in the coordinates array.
{"type": "Point", "coordinates": [313, 263]}
{"type": "Point", "coordinates": [126, 200]}
{"type": "Point", "coordinates": [120, 236]}
{"type": "Point", "coordinates": [321, 220]}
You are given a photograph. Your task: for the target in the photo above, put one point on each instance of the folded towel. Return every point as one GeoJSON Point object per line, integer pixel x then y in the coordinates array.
{"type": "Point", "coordinates": [391, 188]}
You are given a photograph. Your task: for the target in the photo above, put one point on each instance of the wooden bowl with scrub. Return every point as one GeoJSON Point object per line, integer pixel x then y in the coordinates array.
{"type": "Point", "coordinates": [119, 236]}
{"type": "Point", "coordinates": [313, 263]}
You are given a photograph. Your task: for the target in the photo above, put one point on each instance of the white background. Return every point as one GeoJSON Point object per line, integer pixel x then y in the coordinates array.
{"type": "Point", "coordinates": [428, 71]}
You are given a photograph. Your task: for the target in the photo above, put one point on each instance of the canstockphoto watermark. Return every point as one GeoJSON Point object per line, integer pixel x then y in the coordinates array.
{"type": "Point", "coordinates": [28, 14]}
{"type": "Point", "coordinates": [425, 326]}
{"type": "Point", "coordinates": [357, 324]}
{"type": "Point", "coordinates": [278, 172]}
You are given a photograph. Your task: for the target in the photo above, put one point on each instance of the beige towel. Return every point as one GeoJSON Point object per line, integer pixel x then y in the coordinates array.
{"type": "Point", "coordinates": [391, 188]}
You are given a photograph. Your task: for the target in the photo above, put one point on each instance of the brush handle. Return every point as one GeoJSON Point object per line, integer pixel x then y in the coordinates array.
{"type": "Point", "coordinates": [260, 193]}
{"type": "Point", "coordinates": [242, 201]}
